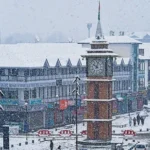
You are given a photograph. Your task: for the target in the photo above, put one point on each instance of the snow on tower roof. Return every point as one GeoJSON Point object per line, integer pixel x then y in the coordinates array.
{"type": "Point", "coordinates": [35, 55]}
{"type": "Point", "coordinates": [113, 39]}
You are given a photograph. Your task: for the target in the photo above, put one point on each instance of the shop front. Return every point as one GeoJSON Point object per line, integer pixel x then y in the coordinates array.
{"type": "Point", "coordinates": [139, 102]}
{"type": "Point", "coordinates": [49, 121]}
{"type": "Point", "coordinates": [114, 105]}
{"type": "Point", "coordinates": [120, 104]}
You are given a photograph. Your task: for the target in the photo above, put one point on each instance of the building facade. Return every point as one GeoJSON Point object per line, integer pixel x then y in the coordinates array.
{"type": "Point", "coordinates": [43, 88]}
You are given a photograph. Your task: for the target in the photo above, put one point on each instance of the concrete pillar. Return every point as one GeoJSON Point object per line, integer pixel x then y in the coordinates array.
{"type": "Point", "coordinates": [45, 92]}
{"type": "Point", "coordinates": [146, 73]}
{"type": "Point", "coordinates": [44, 111]}
{"type": "Point", "coordinates": [37, 92]}
{"type": "Point", "coordinates": [21, 95]}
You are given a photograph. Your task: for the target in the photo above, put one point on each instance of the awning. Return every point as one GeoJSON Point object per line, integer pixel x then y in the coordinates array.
{"type": "Point", "coordinates": [119, 98]}
{"type": "Point", "coordinates": [113, 99]}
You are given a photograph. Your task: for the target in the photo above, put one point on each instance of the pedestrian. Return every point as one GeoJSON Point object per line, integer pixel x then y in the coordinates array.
{"type": "Point", "coordinates": [73, 119]}
{"type": "Point", "coordinates": [134, 121]}
{"type": "Point", "coordinates": [138, 119]}
{"type": "Point", "coordinates": [142, 120]}
{"type": "Point", "coordinates": [130, 121]}
{"type": "Point", "coordinates": [59, 147]}
{"type": "Point", "coordinates": [51, 145]}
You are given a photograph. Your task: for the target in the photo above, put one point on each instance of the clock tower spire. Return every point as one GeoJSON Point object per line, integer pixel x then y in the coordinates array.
{"type": "Point", "coordinates": [99, 33]}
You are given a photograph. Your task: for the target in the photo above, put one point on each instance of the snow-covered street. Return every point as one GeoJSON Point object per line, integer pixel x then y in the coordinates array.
{"type": "Point", "coordinates": [68, 143]}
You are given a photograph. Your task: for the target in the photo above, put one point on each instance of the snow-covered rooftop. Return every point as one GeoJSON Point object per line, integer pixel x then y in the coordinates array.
{"type": "Point", "coordinates": [124, 60]}
{"type": "Point", "coordinates": [113, 39]}
{"type": "Point", "coordinates": [138, 35]}
{"type": "Point", "coordinates": [34, 55]}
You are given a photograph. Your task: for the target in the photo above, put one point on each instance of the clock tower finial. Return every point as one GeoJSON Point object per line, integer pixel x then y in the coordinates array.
{"type": "Point", "coordinates": [99, 11]}
{"type": "Point", "coordinates": [99, 33]}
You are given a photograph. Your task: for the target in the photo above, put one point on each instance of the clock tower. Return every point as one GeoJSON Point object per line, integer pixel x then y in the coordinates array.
{"type": "Point", "coordinates": [99, 65]}
{"type": "Point", "coordinates": [99, 62]}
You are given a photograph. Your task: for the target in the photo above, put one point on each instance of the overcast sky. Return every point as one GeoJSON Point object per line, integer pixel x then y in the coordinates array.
{"type": "Point", "coordinates": [71, 16]}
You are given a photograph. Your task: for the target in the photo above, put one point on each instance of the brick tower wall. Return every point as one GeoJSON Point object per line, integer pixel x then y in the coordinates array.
{"type": "Point", "coordinates": [105, 111]}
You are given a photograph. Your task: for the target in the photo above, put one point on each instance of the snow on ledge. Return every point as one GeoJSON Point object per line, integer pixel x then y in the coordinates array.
{"type": "Point", "coordinates": [99, 100]}
{"type": "Point", "coordinates": [94, 120]}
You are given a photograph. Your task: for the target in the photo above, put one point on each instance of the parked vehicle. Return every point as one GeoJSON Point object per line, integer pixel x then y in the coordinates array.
{"type": "Point", "coordinates": [141, 146]}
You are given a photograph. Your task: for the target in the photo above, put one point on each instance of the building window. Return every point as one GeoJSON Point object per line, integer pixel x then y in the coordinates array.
{"type": "Point", "coordinates": [109, 111]}
{"type": "Point", "coordinates": [41, 72]}
{"type": "Point", "coordinates": [109, 88]}
{"type": "Point", "coordinates": [64, 90]}
{"type": "Point", "coordinates": [2, 72]}
{"type": "Point", "coordinates": [141, 82]}
{"type": "Point", "coordinates": [13, 72]}
{"type": "Point", "coordinates": [53, 89]}
{"type": "Point", "coordinates": [26, 94]}
{"type": "Point", "coordinates": [26, 72]}
{"type": "Point", "coordinates": [11, 93]}
{"type": "Point", "coordinates": [96, 90]}
{"type": "Point", "coordinates": [96, 130]}
{"type": "Point", "coordinates": [141, 66]}
{"type": "Point", "coordinates": [49, 92]}
{"type": "Point", "coordinates": [60, 90]}
{"type": "Point", "coordinates": [34, 93]}
{"type": "Point", "coordinates": [96, 110]}
{"type": "Point", "coordinates": [141, 52]}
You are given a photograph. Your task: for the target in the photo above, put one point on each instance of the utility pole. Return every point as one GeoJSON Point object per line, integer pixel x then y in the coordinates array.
{"type": "Point", "coordinates": [26, 125]}
{"type": "Point", "coordinates": [76, 91]}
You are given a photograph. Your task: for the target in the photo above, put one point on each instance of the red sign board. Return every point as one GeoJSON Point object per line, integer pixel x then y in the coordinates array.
{"type": "Point", "coordinates": [63, 104]}
{"type": "Point", "coordinates": [44, 132]}
{"type": "Point", "coordinates": [65, 133]}
{"type": "Point", "coordinates": [84, 132]}
{"type": "Point", "coordinates": [129, 132]}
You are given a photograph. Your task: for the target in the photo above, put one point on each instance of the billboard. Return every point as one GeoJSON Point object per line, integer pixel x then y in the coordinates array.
{"type": "Point", "coordinates": [9, 102]}
{"type": "Point", "coordinates": [35, 101]}
{"type": "Point", "coordinates": [63, 104]}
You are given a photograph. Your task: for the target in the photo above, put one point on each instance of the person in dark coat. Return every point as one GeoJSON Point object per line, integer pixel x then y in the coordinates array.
{"type": "Point", "coordinates": [138, 119]}
{"type": "Point", "coordinates": [51, 145]}
{"type": "Point", "coordinates": [59, 147]}
{"type": "Point", "coordinates": [134, 121]}
{"type": "Point", "coordinates": [142, 120]}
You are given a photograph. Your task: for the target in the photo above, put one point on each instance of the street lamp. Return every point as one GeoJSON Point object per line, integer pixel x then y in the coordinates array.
{"type": "Point", "coordinates": [76, 91]}
{"type": "Point", "coordinates": [26, 108]}
{"type": "Point", "coordinates": [57, 96]}
{"type": "Point", "coordinates": [129, 90]}
{"type": "Point", "coordinates": [56, 103]}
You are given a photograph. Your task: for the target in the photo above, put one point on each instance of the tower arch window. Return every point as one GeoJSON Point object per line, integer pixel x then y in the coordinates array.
{"type": "Point", "coordinates": [96, 90]}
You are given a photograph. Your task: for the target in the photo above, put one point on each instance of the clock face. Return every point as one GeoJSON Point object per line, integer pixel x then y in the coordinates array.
{"type": "Point", "coordinates": [96, 67]}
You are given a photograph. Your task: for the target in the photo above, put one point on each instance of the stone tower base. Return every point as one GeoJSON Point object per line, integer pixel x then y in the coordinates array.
{"type": "Point", "coordinates": [94, 144]}
{"type": "Point", "coordinates": [97, 145]}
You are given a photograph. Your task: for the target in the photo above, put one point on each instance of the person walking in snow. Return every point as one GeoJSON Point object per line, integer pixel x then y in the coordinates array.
{"type": "Point", "coordinates": [51, 145]}
{"type": "Point", "coordinates": [130, 121]}
{"type": "Point", "coordinates": [134, 121]}
{"type": "Point", "coordinates": [138, 119]}
{"type": "Point", "coordinates": [59, 147]}
{"type": "Point", "coordinates": [142, 120]}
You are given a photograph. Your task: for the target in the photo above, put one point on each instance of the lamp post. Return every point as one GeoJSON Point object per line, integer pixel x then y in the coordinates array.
{"type": "Point", "coordinates": [57, 96]}
{"type": "Point", "coordinates": [56, 104]}
{"type": "Point", "coordinates": [129, 92]}
{"type": "Point", "coordinates": [26, 108]}
{"type": "Point", "coordinates": [76, 91]}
